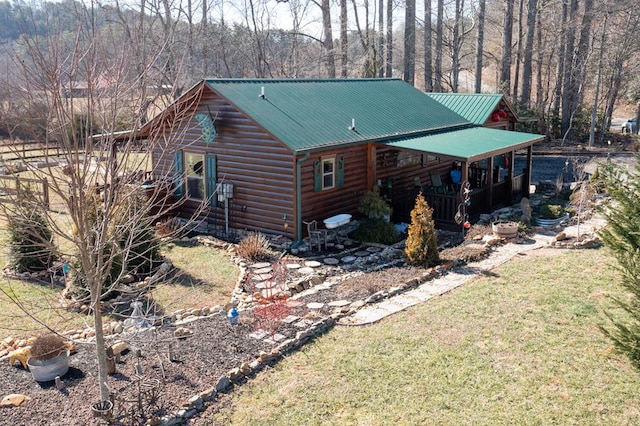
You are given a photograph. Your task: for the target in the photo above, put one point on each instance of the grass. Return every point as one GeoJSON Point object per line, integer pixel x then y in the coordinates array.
{"type": "Point", "coordinates": [519, 347]}
{"type": "Point", "coordinates": [204, 277]}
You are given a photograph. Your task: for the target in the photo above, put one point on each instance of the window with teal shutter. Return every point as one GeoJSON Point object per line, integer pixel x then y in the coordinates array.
{"type": "Point", "coordinates": [317, 176]}
{"type": "Point", "coordinates": [178, 170]}
{"type": "Point", "coordinates": [212, 178]}
{"type": "Point", "coordinates": [340, 172]}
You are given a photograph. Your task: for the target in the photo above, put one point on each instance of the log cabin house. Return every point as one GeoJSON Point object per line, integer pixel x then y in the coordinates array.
{"type": "Point", "coordinates": [269, 155]}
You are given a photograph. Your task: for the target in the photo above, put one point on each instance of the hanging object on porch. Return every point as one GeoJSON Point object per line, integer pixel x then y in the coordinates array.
{"type": "Point", "coordinates": [495, 117]}
{"type": "Point", "coordinates": [502, 114]}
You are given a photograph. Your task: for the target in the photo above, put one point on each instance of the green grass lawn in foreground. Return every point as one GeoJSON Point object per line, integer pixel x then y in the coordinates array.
{"type": "Point", "coordinates": [519, 347]}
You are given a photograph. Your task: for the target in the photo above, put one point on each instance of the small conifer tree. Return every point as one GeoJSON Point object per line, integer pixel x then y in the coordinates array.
{"type": "Point", "coordinates": [622, 235]}
{"type": "Point", "coordinates": [421, 248]}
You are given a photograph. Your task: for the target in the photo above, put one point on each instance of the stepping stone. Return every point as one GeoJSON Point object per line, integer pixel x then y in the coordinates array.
{"type": "Point", "coordinates": [339, 303]}
{"type": "Point", "coordinates": [261, 271]}
{"type": "Point", "coordinates": [361, 253]}
{"type": "Point", "coordinates": [373, 249]}
{"type": "Point", "coordinates": [339, 247]}
{"type": "Point", "coordinates": [303, 323]}
{"type": "Point", "coordinates": [266, 285]}
{"type": "Point", "coordinates": [260, 265]}
{"type": "Point", "coordinates": [275, 338]}
{"type": "Point", "coordinates": [293, 266]}
{"type": "Point", "coordinates": [305, 271]}
{"type": "Point", "coordinates": [315, 305]}
{"type": "Point", "coordinates": [258, 334]}
{"type": "Point", "coordinates": [312, 264]}
{"type": "Point", "coordinates": [331, 261]}
{"type": "Point", "coordinates": [291, 318]}
{"type": "Point", "coordinates": [294, 304]}
{"type": "Point", "coordinates": [348, 259]}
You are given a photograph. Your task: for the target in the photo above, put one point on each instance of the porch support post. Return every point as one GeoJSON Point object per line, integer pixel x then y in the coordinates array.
{"type": "Point", "coordinates": [464, 166]}
{"type": "Point", "coordinates": [511, 166]}
{"type": "Point", "coordinates": [371, 165]}
{"type": "Point", "coordinates": [489, 201]}
{"type": "Point", "coordinates": [527, 172]}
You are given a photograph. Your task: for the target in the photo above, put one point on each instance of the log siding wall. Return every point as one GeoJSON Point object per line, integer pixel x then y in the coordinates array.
{"type": "Point", "coordinates": [260, 167]}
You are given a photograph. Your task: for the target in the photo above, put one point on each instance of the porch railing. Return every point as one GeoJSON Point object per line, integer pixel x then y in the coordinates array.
{"type": "Point", "coordinates": [445, 206]}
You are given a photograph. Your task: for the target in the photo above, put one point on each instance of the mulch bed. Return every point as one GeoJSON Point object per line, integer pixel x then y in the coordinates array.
{"type": "Point", "coordinates": [214, 348]}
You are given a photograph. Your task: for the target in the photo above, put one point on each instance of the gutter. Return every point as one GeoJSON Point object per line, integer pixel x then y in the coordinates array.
{"type": "Point", "coordinates": [299, 162]}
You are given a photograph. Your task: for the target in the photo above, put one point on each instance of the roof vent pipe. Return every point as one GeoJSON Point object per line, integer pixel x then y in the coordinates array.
{"type": "Point", "coordinates": [262, 92]}
{"type": "Point", "coordinates": [353, 124]}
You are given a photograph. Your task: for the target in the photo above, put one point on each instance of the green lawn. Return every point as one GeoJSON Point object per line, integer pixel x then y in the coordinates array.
{"type": "Point", "coordinates": [202, 277]}
{"type": "Point", "coordinates": [521, 346]}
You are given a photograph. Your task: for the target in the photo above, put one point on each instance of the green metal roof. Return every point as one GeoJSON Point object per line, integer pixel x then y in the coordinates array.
{"type": "Point", "coordinates": [469, 144]}
{"type": "Point", "coordinates": [309, 114]}
{"type": "Point", "coordinates": [475, 107]}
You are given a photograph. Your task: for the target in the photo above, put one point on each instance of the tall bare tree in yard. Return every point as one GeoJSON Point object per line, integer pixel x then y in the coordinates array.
{"type": "Point", "coordinates": [325, 8]}
{"type": "Point", "coordinates": [428, 47]}
{"type": "Point", "coordinates": [409, 62]}
{"type": "Point", "coordinates": [437, 66]}
{"type": "Point", "coordinates": [519, 44]}
{"type": "Point", "coordinates": [479, 46]}
{"type": "Point", "coordinates": [532, 17]}
{"type": "Point", "coordinates": [389, 40]}
{"type": "Point", "coordinates": [507, 39]}
{"type": "Point", "coordinates": [101, 198]}
{"type": "Point", "coordinates": [568, 70]}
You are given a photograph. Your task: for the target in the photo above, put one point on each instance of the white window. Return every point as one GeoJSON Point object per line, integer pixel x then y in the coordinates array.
{"type": "Point", "coordinates": [328, 173]}
{"type": "Point", "coordinates": [194, 168]}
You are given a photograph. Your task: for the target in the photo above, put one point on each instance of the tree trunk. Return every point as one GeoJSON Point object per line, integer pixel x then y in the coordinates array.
{"type": "Point", "coordinates": [330, 62]}
{"type": "Point", "coordinates": [344, 42]}
{"type": "Point", "coordinates": [428, 48]}
{"type": "Point", "coordinates": [582, 52]}
{"type": "Point", "coordinates": [457, 45]}
{"type": "Point", "coordinates": [516, 74]}
{"type": "Point", "coordinates": [101, 353]}
{"type": "Point", "coordinates": [525, 100]}
{"type": "Point", "coordinates": [561, 61]}
{"type": "Point", "coordinates": [568, 77]}
{"type": "Point", "coordinates": [596, 95]}
{"type": "Point", "coordinates": [437, 83]}
{"type": "Point", "coordinates": [507, 37]}
{"type": "Point", "coordinates": [409, 62]}
{"type": "Point", "coordinates": [389, 41]}
{"type": "Point", "coordinates": [380, 55]}
{"type": "Point", "coordinates": [479, 45]}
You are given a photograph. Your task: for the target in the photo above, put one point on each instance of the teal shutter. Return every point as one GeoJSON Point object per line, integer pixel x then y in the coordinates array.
{"type": "Point", "coordinates": [211, 179]}
{"type": "Point", "coordinates": [340, 172]}
{"type": "Point", "coordinates": [317, 176]}
{"type": "Point", "coordinates": [178, 170]}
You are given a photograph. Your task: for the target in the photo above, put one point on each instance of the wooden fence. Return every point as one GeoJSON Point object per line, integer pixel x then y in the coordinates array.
{"type": "Point", "coordinates": [10, 187]}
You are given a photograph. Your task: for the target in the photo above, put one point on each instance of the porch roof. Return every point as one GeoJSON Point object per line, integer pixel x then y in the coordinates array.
{"type": "Point", "coordinates": [471, 144]}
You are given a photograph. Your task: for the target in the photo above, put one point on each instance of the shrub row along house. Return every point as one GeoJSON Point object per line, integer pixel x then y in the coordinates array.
{"type": "Point", "coordinates": [269, 155]}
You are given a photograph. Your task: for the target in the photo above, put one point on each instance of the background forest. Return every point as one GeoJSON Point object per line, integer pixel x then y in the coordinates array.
{"type": "Point", "coordinates": [568, 62]}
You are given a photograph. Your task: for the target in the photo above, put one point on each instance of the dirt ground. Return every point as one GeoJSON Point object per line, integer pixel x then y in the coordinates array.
{"type": "Point", "coordinates": [214, 348]}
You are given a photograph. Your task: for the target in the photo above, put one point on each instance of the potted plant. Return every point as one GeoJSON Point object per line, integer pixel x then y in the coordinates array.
{"type": "Point", "coordinates": [374, 206]}
{"type": "Point", "coordinates": [49, 358]}
{"type": "Point", "coordinates": [505, 228]}
{"type": "Point", "coordinates": [550, 214]}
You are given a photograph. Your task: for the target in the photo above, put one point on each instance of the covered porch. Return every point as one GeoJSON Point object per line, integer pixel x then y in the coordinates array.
{"type": "Point", "coordinates": [483, 158]}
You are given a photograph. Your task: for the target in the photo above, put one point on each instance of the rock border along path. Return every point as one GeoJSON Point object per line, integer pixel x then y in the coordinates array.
{"type": "Point", "coordinates": [456, 277]}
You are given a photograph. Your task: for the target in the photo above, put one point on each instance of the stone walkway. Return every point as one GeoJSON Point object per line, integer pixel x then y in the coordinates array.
{"type": "Point", "coordinates": [457, 276]}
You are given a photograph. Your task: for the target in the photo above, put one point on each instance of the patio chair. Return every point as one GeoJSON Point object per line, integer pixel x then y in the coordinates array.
{"type": "Point", "coordinates": [437, 185]}
{"type": "Point", "coordinates": [317, 236]}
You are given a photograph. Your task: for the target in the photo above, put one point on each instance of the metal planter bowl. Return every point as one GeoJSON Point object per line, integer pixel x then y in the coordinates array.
{"type": "Point", "coordinates": [48, 369]}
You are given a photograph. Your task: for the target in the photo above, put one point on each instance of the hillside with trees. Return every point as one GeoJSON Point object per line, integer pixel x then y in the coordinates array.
{"type": "Point", "coordinates": [570, 63]}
